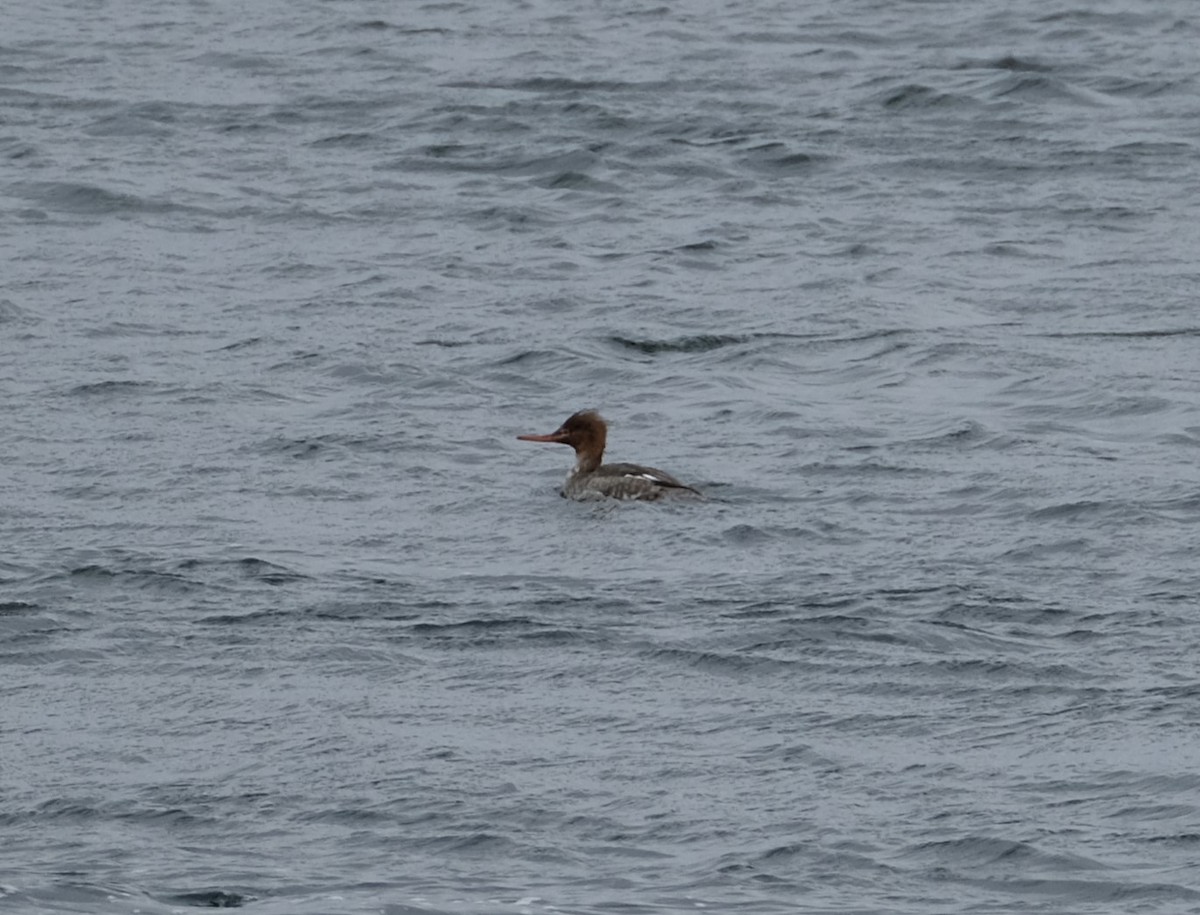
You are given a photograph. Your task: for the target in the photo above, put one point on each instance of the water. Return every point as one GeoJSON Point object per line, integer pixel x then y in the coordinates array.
{"type": "Point", "coordinates": [291, 622]}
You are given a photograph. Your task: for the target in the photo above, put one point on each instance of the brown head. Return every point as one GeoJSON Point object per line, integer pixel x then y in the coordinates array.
{"type": "Point", "coordinates": [584, 431]}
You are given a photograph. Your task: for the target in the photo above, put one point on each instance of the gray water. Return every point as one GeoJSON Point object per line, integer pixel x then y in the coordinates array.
{"type": "Point", "coordinates": [291, 622]}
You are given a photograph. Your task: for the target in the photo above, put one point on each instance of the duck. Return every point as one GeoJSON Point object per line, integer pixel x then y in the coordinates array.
{"type": "Point", "coordinates": [590, 479]}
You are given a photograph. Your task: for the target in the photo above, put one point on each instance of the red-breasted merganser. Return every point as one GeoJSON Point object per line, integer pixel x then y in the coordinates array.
{"type": "Point", "coordinates": [587, 432]}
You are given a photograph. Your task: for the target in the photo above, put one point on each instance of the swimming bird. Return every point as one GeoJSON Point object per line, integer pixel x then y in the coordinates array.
{"type": "Point", "coordinates": [587, 432]}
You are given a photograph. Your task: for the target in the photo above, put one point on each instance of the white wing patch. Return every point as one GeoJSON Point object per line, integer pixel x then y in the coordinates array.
{"type": "Point", "coordinates": [645, 476]}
